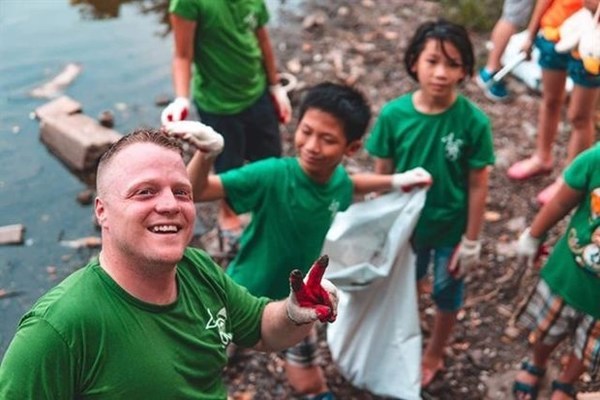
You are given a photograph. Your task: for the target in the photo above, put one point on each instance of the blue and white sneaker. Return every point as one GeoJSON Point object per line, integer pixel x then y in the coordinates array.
{"type": "Point", "coordinates": [496, 91]}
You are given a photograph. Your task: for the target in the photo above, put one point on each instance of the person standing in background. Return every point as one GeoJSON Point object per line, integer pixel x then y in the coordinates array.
{"type": "Point", "coordinates": [515, 15]}
{"type": "Point", "coordinates": [234, 82]}
{"type": "Point", "coordinates": [543, 30]}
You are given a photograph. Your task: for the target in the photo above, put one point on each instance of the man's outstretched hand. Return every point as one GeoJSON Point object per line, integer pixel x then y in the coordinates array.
{"type": "Point", "coordinates": [313, 298]}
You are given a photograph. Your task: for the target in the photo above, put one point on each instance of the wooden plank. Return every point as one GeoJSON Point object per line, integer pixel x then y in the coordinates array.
{"type": "Point", "coordinates": [12, 234]}
{"type": "Point", "coordinates": [78, 140]}
{"type": "Point", "coordinates": [63, 105]}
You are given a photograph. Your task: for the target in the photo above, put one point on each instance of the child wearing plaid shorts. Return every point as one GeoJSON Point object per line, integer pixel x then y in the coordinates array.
{"type": "Point", "coordinates": [566, 302]}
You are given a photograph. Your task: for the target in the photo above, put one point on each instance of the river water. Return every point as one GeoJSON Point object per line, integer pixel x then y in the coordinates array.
{"type": "Point", "coordinates": [125, 60]}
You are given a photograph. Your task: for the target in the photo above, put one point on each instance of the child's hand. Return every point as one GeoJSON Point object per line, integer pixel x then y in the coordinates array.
{"type": "Point", "coordinates": [177, 110]}
{"type": "Point", "coordinates": [203, 137]}
{"type": "Point", "coordinates": [529, 248]}
{"type": "Point", "coordinates": [282, 103]}
{"type": "Point", "coordinates": [313, 298]}
{"type": "Point", "coordinates": [465, 257]}
{"type": "Point", "coordinates": [407, 181]}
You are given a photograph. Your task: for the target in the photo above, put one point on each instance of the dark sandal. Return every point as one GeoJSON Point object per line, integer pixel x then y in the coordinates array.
{"type": "Point", "coordinates": [525, 388]}
{"type": "Point", "coordinates": [566, 388]}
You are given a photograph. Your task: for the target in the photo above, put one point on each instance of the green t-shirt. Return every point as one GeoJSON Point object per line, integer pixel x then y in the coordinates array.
{"type": "Point", "coordinates": [448, 145]}
{"type": "Point", "coordinates": [89, 339]}
{"type": "Point", "coordinates": [291, 215]}
{"type": "Point", "coordinates": [229, 73]}
{"type": "Point", "coordinates": [573, 269]}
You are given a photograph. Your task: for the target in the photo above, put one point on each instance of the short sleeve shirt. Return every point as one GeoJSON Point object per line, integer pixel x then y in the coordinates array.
{"type": "Point", "coordinates": [229, 73]}
{"type": "Point", "coordinates": [447, 145]}
{"type": "Point", "coordinates": [291, 215]}
{"type": "Point", "coordinates": [573, 269]}
{"type": "Point", "coordinates": [87, 338]}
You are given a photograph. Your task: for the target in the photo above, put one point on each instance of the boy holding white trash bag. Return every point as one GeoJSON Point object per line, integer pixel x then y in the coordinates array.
{"type": "Point", "coordinates": [293, 201]}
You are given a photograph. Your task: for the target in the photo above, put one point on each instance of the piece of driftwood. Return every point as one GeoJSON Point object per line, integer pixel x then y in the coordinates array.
{"type": "Point", "coordinates": [12, 234]}
{"type": "Point", "coordinates": [75, 138]}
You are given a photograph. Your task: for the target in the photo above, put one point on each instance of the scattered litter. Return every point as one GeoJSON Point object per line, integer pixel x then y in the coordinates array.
{"type": "Point", "coordinates": [5, 294]}
{"type": "Point", "coordinates": [56, 85]}
{"type": "Point", "coordinates": [88, 241]}
{"type": "Point", "coordinates": [12, 234]}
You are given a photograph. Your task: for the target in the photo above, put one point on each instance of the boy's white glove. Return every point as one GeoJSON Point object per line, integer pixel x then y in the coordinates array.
{"type": "Point", "coordinates": [313, 298]}
{"type": "Point", "coordinates": [407, 181]}
{"type": "Point", "coordinates": [529, 248]}
{"type": "Point", "coordinates": [203, 137]}
{"type": "Point", "coordinates": [282, 102]}
{"type": "Point", "coordinates": [177, 110]}
{"type": "Point", "coordinates": [465, 257]}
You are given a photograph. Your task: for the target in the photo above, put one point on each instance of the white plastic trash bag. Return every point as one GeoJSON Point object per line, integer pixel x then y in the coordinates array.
{"type": "Point", "coordinates": [376, 339]}
{"type": "Point", "coordinates": [363, 241]}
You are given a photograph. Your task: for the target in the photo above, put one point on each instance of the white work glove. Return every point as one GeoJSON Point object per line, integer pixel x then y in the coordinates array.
{"type": "Point", "coordinates": [177, 110]}
{"type": "Point", "coordinates": [407, 181]}
{"type": "Point", "coordinates": [313, 298]}
{"type": "Point", "coordinates": [203, 137]}
{"type": "Point", "coordinates": [465, 257]}
{"type": "Point", "coordinates": [529, 248]}
{"type": "Point", "coordinates": [282, 103]}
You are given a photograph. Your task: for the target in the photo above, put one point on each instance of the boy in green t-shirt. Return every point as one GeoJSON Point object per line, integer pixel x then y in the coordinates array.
{"type": "Point", "coordinates": [293, 201]}
{"type": "Point", "coordinates": [566, 301]}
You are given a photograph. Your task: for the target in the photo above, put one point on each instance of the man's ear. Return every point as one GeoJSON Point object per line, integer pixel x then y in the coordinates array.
{"type": "Point", "coordinates": [352, 148]}
{"type": "Point", "coordinates": [99, 211]}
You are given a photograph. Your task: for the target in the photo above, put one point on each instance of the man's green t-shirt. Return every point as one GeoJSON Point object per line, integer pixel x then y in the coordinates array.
{"type": "Point", "coordinates": [89, 339]}
{"type": "Point", "coordinates": [291, 215]}
{"type": "Point", "coordinates": [573, 269]}
{"type": "Point", "coordinates": [229, 74]}
{"type": "Point", "coordinates": [447, 145]}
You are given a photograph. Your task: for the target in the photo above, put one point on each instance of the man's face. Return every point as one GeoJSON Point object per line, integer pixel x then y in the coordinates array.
{"type": "Point", "coordinates": [321, 144]}
{"type": "Point", "coordinates": [146, 209]}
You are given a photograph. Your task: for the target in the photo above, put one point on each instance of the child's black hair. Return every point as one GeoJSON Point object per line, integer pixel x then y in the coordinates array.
{"type": "Point", "coordinates": [347, 104]}
{"type": "Point", "coordinates": [442, 31]}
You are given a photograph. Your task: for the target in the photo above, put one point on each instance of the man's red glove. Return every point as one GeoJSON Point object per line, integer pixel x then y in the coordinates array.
{"type": "Point", "coordinates": [313, 298]}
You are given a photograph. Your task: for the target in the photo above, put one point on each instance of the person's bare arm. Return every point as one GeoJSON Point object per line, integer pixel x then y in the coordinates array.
{"type": "Point", "coordinates": [184, 32]}
{"type": "Point", "coordinates": [534, 24]}
{"type": "Point", "coordinates": [384, 181]}
{"type": "Point", "coordinates": [561, 204]}
{"type": "Point", "coordinates": [205, 186]}
{"type": "Point", "coordinates": [264, 42]}
{"type": "Point", "coordinates": [478, 189]}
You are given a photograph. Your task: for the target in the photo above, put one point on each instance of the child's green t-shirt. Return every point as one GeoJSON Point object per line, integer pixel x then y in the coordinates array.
{"type": "Point", "coordinates": [447, 145]}
{"type": "Point", "coordinates": [291, 215]}
{"type": "Point", "coordinates": [229, 73]}
{"type": "Point", "coordinates": [573, 269]}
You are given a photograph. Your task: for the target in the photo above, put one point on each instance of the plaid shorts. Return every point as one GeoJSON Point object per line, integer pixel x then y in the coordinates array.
{"type": "Point", "coordinates": [550, 320]}
{"type": "Point", "coordinates": [305, 353]}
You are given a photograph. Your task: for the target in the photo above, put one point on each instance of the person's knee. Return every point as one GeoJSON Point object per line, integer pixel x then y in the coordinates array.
{"type": "Point", "coordinates": [580, 119]}
{"type": "Point", "coordinates": [306, 380]}
{"type": "Point", "coordinates": [553, 104]}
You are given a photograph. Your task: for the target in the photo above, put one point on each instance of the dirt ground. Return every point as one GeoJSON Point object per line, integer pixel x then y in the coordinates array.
{"type": "Point", "coordinates": [361, 42]}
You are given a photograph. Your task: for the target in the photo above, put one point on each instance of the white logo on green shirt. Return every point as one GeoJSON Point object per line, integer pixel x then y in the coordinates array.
{"type": "Point", "coordinates": [251, 21]}
{"type": "Point", "coordinates": [219, 323]}
{"type": "Point", "coordinates": [452, 146]}
{"type": "Point", "coordinates": [334, 207]}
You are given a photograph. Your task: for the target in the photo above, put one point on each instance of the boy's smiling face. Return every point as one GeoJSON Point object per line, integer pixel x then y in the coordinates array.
{"type": "Point", "coordinates": [321, 144]}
